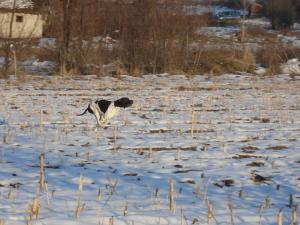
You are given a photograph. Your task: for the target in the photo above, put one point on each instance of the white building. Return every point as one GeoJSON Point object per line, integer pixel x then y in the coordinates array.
{"type": "Point", "coordinates": [20, 20]}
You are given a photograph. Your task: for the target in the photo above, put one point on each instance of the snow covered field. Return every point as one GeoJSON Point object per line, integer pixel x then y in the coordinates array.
{"type": "Point", "coordinates": [230, 144]}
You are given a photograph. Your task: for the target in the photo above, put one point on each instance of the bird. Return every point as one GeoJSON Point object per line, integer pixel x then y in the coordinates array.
{"type": "Point", "coordinates": [104, 110]}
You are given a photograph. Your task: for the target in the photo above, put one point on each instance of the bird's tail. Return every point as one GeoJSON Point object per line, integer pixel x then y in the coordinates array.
{"type": "Point", "coordinates": [123, 102]}
{"type": "Point", "coordinates": [83, 112]}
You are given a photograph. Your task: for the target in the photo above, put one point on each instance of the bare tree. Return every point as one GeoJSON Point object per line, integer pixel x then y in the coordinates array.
{"type": "Point", "coordinates": [7, 43]}
{"type": "Point", "coordinates": [65, 60]}
{"type": "Point", "coordinates": [155, 36]}
{"type": "Point", "coordinates": [151, 36]}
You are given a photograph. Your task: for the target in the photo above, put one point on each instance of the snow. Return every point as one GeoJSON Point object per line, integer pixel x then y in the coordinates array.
{"type": "Point", "coordinates": [48, 43]}
{"type": "Point", "coordinates": [258, 22]}
{"type": "Point", "coordinates": [296, 26]}
{"type": "Point", "coordinates": [198, 9]}
{"type": "Point", "coordinates": [238, 120]}
{"type": "Point", "coordinates": [294, 41]}
{"type": "Point", "coordinates": [260, 70]}
{"type": "Point", "coordinates": [34, 66]}
{"type": "Point", "coordinates": [292, 66]}
{"type": "Point", "coordinates": [229, 31]}
{"type": "Point", "coordinates": [225, 32]}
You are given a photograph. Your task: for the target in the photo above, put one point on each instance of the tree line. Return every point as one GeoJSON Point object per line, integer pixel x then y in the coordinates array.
{"type": "Point", "coordinates": [152, 36]}
{"type": "Point", "coordinates": [142, 36]}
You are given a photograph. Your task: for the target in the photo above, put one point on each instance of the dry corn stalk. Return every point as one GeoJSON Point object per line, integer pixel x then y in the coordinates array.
{"type": "Point", "coordinates": [157, 198]}
{"type": "Point", "coordinates": [99, 195]}
{"type": "Point", "coordinates": [125, 118]}
{"type": "Point", "coordinates": [150, 152]}
{"type": "Point", "coordinates": [10, 193]}
{"type": "Point", "coordinates": [231, 213]}
{"type": "Point", "coordinates": [42, 171]}
{"type": "Point", "coordinates": [267, 202]}
{"type": "Point", "coordinates": [34, 209]}
{"type": "Point", "coordinates": [294, 215]}
{"type": "Point", "coordinates": [115, 138]}
{"type": "Point", "coordinates": [41, 117]}
{"type": "Point", "coordinates": [193, 123]}
{"type": "Point", "coordinates": [209, 213]}
{"type": "Point", "coordinates": [291, 201]}
{"type": "Point", "coordinates": [111, 221]}
{"type": "Point", "coordinates": [171, 196]}
{"type": "Point", "coordinates": [279, 217]}
{"type": "Point", "coordinates": [80, 188]}
{"type": "Point", "coordinates": [125, 212]}
{"type": "Point", "coordinates": [178, 154]}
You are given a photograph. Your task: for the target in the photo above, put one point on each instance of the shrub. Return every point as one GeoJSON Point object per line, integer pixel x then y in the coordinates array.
{"type": "Point", "coordinates": [220, 61]}
{"type": "Point", "coordinates": [273, 55]}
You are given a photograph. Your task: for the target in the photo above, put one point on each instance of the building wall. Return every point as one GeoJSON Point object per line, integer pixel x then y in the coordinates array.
{"type": "Point", "coordinates": [24, 25]}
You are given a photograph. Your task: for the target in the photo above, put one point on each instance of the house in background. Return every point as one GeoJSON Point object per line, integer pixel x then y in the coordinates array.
{"type": "Point", "coordinates": [20, 19]}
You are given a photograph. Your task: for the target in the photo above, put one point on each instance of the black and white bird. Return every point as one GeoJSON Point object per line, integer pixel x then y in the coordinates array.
{"type": "Point", "coordinates": [104, 110]}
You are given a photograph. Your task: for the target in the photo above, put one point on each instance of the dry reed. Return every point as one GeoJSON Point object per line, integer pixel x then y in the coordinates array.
{"type": "Point", "coordinates": [279, 217]}
{"type": "Point", "coordinates": [115, 139]}
{"type": "Point", "coordinates": [172, 206]}
{"type": "Point", "coordinates": [291, 201]}
{"type": "Point", "coordinates": [79, 206]}
{"type": "Point", "coordinates": [150, 155]}
{"type": "Point", "coordinates": [99, 195]}
{"type": "Point", "coordinates": [33, 210]}
{"type": "Point", "coordinates": [125, 211]}
{"type": "Point", "coordinates": [294, 215]}
{"type": "Point", "coordinates": [111, 221]}
{"type": "Point", "coordinates": [209, 213]}
{"type": "Point", "coordinates": [157, 198]}
{"type": "Point", "coordinates": [267, 202]}
{"type": "Point", "coordinates": [193, 123]}
{"type": "Point", "coordinates": [231, 214]}
{"type": "Point", "coordinates": [178, 154]}
{"type": "Point", "coordinates": [42, 171]}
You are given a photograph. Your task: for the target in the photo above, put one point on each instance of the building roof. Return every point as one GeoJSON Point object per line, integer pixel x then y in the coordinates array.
{"type": "Point", "coordinates": [20, 4]}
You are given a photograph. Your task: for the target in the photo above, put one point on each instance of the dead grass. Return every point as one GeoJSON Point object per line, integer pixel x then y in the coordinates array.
{"type": "Point", "coordinates": [255, 32]}
{"type": "Point", "coordinates": [272, 55]}
{"type": "Point", "coordinates": [211, 55]}
{"type": "Point", "coordinates": [220, 61]}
